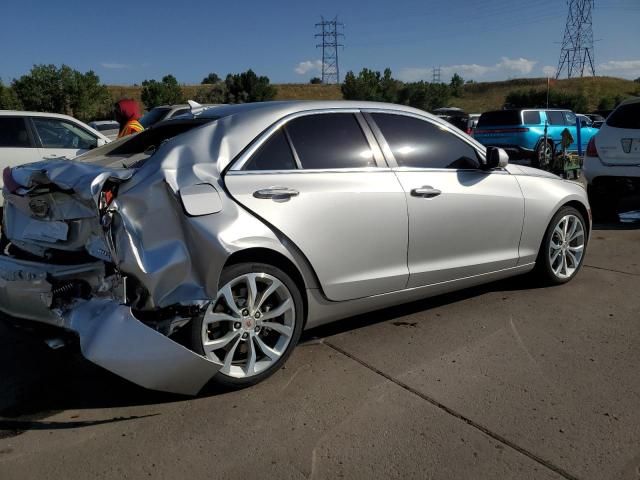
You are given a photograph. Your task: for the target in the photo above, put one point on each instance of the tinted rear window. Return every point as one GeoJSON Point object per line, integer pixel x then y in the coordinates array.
{"type": "Point", "coordinates": [555, 118]}
{"type": "Point", "coordinates": [500, 118]}
{"type": "Point", "coordinates": [153, 116]}
{"type": "Point", "coordinates": [531, 118]}
{"type": "Point", "coordinates": [275, 154]}
{"type": "Point", "coordinates": [107, 126]}
{"type": "Point", "coordinates": [625, 116]}
{"type": "Point", "coordinates": [13, 132]}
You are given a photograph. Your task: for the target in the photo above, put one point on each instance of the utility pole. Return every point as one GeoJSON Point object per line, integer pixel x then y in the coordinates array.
{"type": "Point", "coordinates": [436, 75]}
{"type": "Point", "coordinates": [576, 52]}
{"type": "Point", "coordinates": [330, 43]}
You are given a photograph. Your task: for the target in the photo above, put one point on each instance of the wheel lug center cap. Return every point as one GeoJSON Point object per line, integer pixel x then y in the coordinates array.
{"type": "Point", "coordinates": [249, 324]}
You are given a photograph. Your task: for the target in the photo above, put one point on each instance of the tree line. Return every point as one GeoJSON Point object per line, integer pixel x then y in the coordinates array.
{"type": "Point", "coordinates": [48, 88]}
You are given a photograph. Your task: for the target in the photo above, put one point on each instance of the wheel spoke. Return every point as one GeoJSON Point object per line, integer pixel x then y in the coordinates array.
{"type": "Point", "coordinates": [276, 312]}
{"type": "Point", "coordinates": [564, 262]}
{"type": "Point", "coordinates": [565, 227]}
{"type": "Point", "coordinates": [217, 317]}
{"type": "Point", "coordinates": [228, 359]}
{"type": "Point", "coordinates": [574, 226]}
{"type": "Point", "coordinates": [275, 284]}
{"type": "Point", "coordinates": [227, 294]}
{"type": "Point", "coordinates": [558, 230]}
{"type": "Point", "coordinates": [266, 349]}
{"type": "Point", "coordinates": [555, 255]}
{"type": "Point", "coordinates": [573, 258]}
{"type": "Point", "coordinates": [576, 235]}
{"type": "Point", "coordinates": [577, 248]}
{"type": "Point", "coordinates": [279, 327]}
{"type": "Point", "coordinates": [252, 292]}
{"type": "Point", "coordinates": [218, 343]}
{"type": "Point", "coordinates": [250, 367]}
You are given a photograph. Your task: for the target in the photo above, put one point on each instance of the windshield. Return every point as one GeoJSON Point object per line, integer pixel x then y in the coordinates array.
{"type": "Point", "coordinates": [153, 116]}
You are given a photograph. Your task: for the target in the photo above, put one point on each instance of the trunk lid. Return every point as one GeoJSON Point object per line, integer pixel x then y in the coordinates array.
{"type": "Point", "coordinates": [618, 141]}
{"type": "Point", "coordinates": [54, 207]}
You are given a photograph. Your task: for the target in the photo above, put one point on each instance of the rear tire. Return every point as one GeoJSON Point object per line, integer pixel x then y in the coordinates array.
{"type": "Point", "coordinates": [252, 326]}
{"type": "Point", "coordinates": [542, 156]}
{"type": "Point", "coordinates": [563, 247]}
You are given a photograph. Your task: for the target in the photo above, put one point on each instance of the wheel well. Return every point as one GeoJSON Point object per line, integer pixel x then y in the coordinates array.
{"type": "Point", "coordinates": [582, 209]}
{"type": "Point", "coordinates": [270, 257]}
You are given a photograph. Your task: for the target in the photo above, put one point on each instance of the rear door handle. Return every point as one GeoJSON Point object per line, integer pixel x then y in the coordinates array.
{"type": "Point", "coordinates": [276, 193]}
{"type": "Point", "coordinates": [425, 191]}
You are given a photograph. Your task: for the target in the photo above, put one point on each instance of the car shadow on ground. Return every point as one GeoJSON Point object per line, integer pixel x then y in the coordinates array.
{"type": "Point", "coordinates": [36, 382]}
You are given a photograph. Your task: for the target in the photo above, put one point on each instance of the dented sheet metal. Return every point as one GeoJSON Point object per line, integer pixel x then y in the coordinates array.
{"type": "Point", "coordinates": [110, 336]}
{"type": "Point", "coordinates": [146, 236]}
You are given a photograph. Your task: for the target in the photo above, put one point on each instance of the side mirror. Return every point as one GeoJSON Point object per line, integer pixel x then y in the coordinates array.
{"type": "Point", "coordinates": [496, 158]}
{"type": "Point", "coordinates": [101, 142]}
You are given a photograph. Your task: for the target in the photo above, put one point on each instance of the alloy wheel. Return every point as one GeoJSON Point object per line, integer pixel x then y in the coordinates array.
{"type": "Point", "coordinates": [250, 325]}
{"type": "Point", "coordinates": [566, 246]}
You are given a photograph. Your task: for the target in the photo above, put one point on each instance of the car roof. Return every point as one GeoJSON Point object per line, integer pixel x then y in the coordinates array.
{"type": "Point", "coordinates": [241, 124]}
{"type": "Point", "coordinates": [630, 100]}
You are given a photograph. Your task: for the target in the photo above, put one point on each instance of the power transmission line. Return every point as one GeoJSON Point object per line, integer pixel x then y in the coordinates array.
{"type": "Point", "coordinates": [330, 43]}
{"type": "Point", "coordinates": [436, 75]}
{"type": "Point", "coordinates": [576, 52]}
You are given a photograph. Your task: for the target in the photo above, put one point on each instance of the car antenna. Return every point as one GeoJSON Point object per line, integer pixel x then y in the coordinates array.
{"type": "Point", "coordinates": [195, 107]}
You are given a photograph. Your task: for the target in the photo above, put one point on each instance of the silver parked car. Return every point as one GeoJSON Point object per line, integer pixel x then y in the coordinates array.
{"type": "Point", "coordinates": [203, 246]}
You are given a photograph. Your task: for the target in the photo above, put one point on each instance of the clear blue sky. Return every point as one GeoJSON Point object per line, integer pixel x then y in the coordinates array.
{"type": "Point", "coordinates": [482, 39]}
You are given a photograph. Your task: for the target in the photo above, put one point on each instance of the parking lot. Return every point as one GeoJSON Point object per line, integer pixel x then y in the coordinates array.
{"type": "Point", "coordinates": [501, 381]}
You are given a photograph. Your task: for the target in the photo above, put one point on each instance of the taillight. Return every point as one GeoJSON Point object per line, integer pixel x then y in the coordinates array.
{"type": "Point", "coordinates": [592, 151]}
{"type": "Point", "coordinates": [9, 183]}
{"type": "Point", "coordinates": [469, 131]}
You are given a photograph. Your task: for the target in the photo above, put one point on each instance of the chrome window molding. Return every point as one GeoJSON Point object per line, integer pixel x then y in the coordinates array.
{"type": "Point", "coordinates": [239, 163]}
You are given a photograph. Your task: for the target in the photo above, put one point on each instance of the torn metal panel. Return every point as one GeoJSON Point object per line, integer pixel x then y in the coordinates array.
{"type": "Point", "coordinates": [110, 336]}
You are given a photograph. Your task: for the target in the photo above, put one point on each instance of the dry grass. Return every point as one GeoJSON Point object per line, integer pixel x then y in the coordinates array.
{"type": "Point", "coordinates": [476, 97]}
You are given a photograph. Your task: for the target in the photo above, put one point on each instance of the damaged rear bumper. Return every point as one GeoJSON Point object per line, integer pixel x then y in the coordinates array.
{"type": "Point", "coordinates": [110, 335]}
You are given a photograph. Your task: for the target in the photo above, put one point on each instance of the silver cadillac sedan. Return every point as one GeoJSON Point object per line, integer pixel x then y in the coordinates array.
{"type": "Point", "coordinates": [201, 248]}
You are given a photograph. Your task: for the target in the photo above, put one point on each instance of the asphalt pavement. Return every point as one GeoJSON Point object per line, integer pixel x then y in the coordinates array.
{"type": "Point", "coordinates": [501, 381]}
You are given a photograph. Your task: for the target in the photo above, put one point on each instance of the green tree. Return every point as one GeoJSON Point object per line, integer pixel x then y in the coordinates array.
{"type": "Point", "coordinates": [8, 98]}
{"type": "Point", "coordinates": [248, 87]}
{"type": "Point", "coordinates": [534, 98]}
{"type": "Point", "coordinates": [48, 88]}
{"type": "Point", "coordinates": [425, 96]}
{"type": "Point", "coordinates": [315, 81]}
{"type": "Point", "coordinates": [371, 85]}
{"type": "Point", "coordinates": [165, 92]}
{"type": "Point", "coordinates": [456, 85]}
{"type": "Point", "coordinates": [211, 79]}
{"type": "Point", "coordinates": [215, 93]}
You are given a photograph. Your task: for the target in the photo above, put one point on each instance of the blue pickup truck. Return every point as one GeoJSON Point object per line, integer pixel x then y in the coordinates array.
{"type": "Point", "coordinates": [521, 132]}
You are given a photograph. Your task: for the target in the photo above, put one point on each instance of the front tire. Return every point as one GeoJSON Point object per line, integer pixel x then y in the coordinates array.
{"type": "Point", "coordinates": [563, 247]}
{"type": "Point", "coordinates": [252, 326]}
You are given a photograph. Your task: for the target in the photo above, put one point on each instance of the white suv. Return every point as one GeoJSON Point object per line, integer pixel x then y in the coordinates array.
{"type": "Point", "coordinates": [27, 137]}
{"type": "Point", "coordinates": [612, 161]}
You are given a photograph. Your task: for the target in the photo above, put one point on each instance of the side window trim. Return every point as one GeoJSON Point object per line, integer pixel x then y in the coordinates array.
{"type": "Point", "coordinates": [292, 147]}
{"type": "Point", "coordinates": [238, 164]}
{"type": "Point", "coordinates": [391, 160]}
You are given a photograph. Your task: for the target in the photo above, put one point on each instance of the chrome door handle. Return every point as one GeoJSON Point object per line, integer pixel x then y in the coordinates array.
{"type": "Point", "coordinates": [426, 191]}
{"type": "Point", "coordinates": [276, 193]}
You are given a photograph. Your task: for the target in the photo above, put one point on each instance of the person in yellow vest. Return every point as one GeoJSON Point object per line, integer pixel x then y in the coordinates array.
{"type": "Point", "coordinates": [127, 114]}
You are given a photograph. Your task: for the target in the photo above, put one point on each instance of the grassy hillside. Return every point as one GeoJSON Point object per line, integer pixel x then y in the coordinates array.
{"type": "Point", "coordinates": [476, 97]}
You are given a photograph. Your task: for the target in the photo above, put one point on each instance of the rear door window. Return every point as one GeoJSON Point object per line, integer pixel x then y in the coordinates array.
{"type": "Point", "coordinates": [330, 140]}
{"type": "Point", "coordinates": [625, 116]}
{"type": "Point", "coordinates": [421, 144]}
{"type": "Point", "coordinates": [13, 132]}
{"type": "Point", "coordinates": [555, 117]}
{"type": "Point", "coordinates": [531, 118]}
{"type": "Point", "coordinates": [274, 154]}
